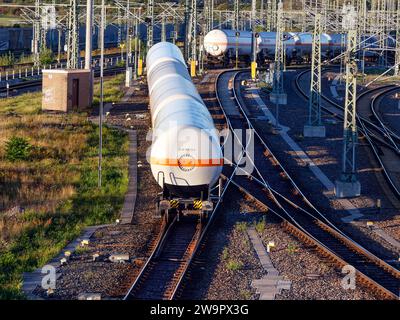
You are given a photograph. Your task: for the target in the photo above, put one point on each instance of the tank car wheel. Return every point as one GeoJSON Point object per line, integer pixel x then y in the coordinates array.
{"type": "Point", "coordinates": [166, 216]}
{"type": "Point", "coordinates": [203, 216]}
{"type": "Point", "coordinates": [158, 212]}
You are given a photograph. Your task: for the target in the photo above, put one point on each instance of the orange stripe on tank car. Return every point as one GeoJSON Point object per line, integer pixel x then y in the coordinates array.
{"type": "Point", "coordinates": [187, 162]}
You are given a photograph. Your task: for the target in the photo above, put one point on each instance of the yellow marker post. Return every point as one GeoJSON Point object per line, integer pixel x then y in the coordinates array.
{"type": "Point", "coordinates": [140, 67]}
{"type": "Point", "coordinates": [253, 70]}
{"type": "Point", "coordinates": [193, 68]}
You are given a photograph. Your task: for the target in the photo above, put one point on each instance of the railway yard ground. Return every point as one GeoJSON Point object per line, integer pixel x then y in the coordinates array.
{"type": "Point", "coordinates": [48, 169]}
{"type": "Point", "coordinates": [226, 265]}
{"type": "Point", "coordinates": [326, 153]}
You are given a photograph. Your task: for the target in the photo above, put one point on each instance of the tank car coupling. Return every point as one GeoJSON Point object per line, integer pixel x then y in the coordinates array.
{"type": "Point", "coordinates": [197, 204]}
{"type": "Point", "coordinates": [174, 204]}
{"type": "Point", "coordinates": [207, 205]}
{"type": "Point", "coordinates": [164, 205]}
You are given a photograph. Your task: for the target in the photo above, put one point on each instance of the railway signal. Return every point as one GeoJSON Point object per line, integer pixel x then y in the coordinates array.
{"type": "Point", "coordinates": [237, 34]}
{"type": "Point", "coordinates": [128, 70]}
{"type": "Point", "coordinates": [314, 128]}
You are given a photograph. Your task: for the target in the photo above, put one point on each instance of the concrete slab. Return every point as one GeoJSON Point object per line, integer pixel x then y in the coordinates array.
{"type": "Point", "coordinates": [271, 284]}
{"type": "Point", "coordinates": [32, 280]}
{"type": "Point", "coordinates": [260, 249]}
{"type": "Point", "coordinates": [347, 189]}
{"type": "Point", "coordinates": [314, 131]}
{"type": "Point", "coordinates": [387, 237]}
{"type": "Point", "coordinates": [130, 196]}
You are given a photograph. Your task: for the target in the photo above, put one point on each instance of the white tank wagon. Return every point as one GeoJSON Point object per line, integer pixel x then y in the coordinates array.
{"type": "Point", "coordinates": [186, 157]}
{"type": "Point", "coordinates": [304, 45]}
{"type": "Point", "coordinates": [266, 48]}
{"type": "Point", "coordinates": [220, 45]}
{"type": "Point", "coordinates": [223, 43]}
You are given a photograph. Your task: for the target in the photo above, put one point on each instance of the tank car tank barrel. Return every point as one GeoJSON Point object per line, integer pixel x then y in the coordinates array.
{"type": "Point", "coordinates": [185, 151]}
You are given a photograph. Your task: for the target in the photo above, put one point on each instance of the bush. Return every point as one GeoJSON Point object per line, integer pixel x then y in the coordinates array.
{"type": "Point", "coordinates": [7, 60]}
{"type": "Point", "coordinates": [260, 225]}
{"type": "Point", "coordinates": [241, 226]}
{"type": "Point", "coordinates": [234, 265]}
{"type": "Point", "coordinates": [225, 254]}
{"type": "Point", "coordinates": [292, 248]}
{"type": "Point", "coordinates": [46, 57]}
{"type": "Point", "coordinates": [18, 148]}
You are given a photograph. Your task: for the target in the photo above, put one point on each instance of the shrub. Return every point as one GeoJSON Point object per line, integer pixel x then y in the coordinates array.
{"type": "Point", "coordinates": [246, 294]}
{"type": "Point", "coordinates": [260, 225]}
{"type": "Point", "coordinates": [241, 226]}
{"type": "Point", "coordinates": [17, 148]}
{"type": "Point", "coordinates": [225, 254]}
{"type": "Point", "coordinates": [7, 59]}
{"type": "Point", "coordinates": [46, 57]}
{"type": "Point", "coordinates": [81, 250]}
{"type": "Point", "coordinates": [234, 265]}
{"type": "Point", "coordinates": [292, 248]}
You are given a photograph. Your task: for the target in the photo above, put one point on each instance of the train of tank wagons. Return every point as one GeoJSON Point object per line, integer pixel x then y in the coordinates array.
{"type": "Point", "coordinates": [186, 157]}
{"type": "Point", "coordinates": [221, 46]}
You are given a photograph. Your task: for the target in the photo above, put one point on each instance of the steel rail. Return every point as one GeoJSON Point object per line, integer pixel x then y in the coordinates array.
{"type": "Point", "coordinates": [192, 248]}
{"type": "Point", "coordinates": [363, 127]}
{"type": "Point", "coordinates": [330, 228]}
{"type": "Point", "coordinates": [388, 131]}
{"type": "Point", "coordinates": [36, 83]}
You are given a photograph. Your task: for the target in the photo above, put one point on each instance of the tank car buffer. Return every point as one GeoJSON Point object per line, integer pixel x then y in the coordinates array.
{"type": "Point", "coordinates": [186, 158]}
{"type": "Point", "coordinates": [171, 203]}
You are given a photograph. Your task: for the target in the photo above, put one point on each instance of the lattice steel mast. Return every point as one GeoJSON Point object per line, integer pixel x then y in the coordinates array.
{"type": "Point", "coordinates": [36, 34]}
{"type": "Point", "coordinates": [278, 96]}
{"type": "Point", "coordinates": [73, 36]}
{"type": "Point", "coordinates": [397, 52]}
{"type": "Point", "coordinates": [236, 15]}
{"type": "Point", "coordinates": [314, 127]}
{"type": "Point", "coordinates": [150, 23]}
{"type": "Point", "coordinates": [193, 37]}
{"type": "Point", "coordinates": [348, 185]}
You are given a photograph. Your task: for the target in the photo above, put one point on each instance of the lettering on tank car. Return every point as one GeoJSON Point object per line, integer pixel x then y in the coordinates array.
{"type": "Point", "coordinates": [186, 162]}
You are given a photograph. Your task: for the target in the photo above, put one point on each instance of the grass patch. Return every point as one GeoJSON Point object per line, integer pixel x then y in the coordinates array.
{"type": "Point", "coordinates": [245, 294]}
{"type": "Point", "coordinates": [81, 250]}
{"type": "Point", "coordinates": [112, 90]}
{"type": "Point", "coordinates": [234, 265]}
{"type": "Point", "coordinates": [292, 248]}
{"type": "Point", "coordinates": [225, 253]}
{"type": "Point", "coordinates": [29, 103]}
{"type": "Point", "coordinates": [260, 225]}
{"type": "Point", "coordinates": [56, 187]}
{"type": "Point", "coordinates": [241, 226]}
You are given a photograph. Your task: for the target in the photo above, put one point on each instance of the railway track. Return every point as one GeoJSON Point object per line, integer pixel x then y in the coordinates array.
{"type": "Point", "coordinates": [273, 189]}
{"type": "Point", "coordinates": [375, 106]}
{"type": "Point", "coordinates": [160, 276]}
{"type": "Point", "coordinates": [381, 139]}
{"type": "Point", "coordinates": [38, 83]}
{"type": "Point", "coordinates": [163, 275]}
